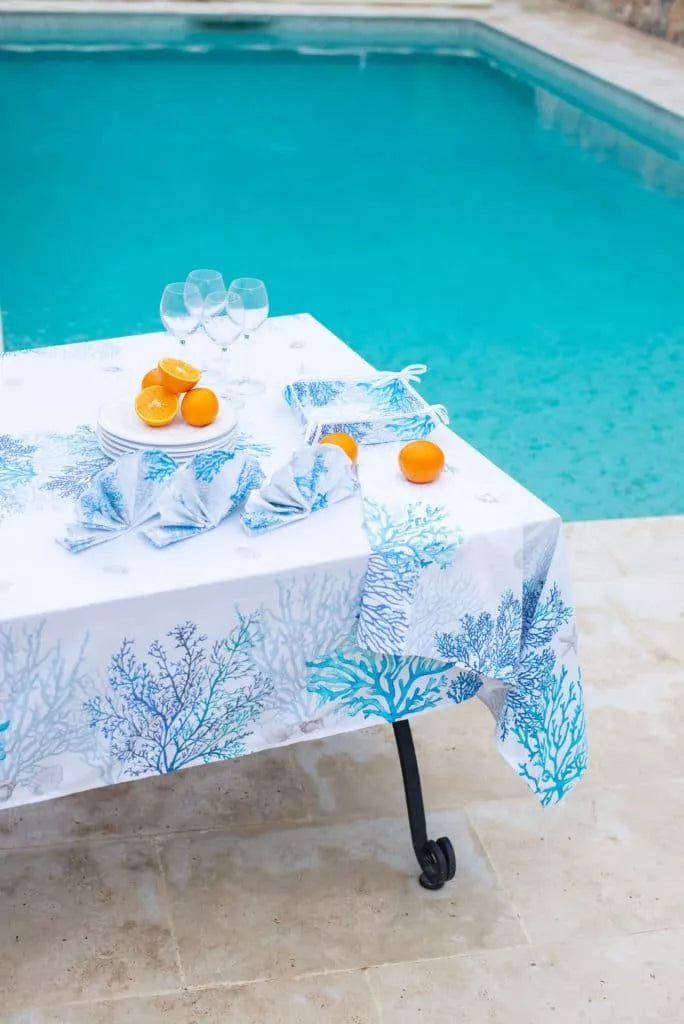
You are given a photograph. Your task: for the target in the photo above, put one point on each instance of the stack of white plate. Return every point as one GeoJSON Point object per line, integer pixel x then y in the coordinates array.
{"type": "Point", "coordinates": [121, 432]}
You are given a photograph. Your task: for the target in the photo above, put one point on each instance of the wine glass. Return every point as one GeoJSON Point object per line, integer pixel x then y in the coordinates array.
{"type": "Point", "coordinates": [247, 305]}
{"type": "Point", "coordinates": [254, 298]}
{"type": "Point", "coordinates": [175, 312]}
{"type": "Point", "coordinates": [208, 282]}
{"type": "Point", "coordinates": [223, 331]}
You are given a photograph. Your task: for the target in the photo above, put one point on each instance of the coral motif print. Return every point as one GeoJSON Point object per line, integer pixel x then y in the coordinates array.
{"type": "Point", "coordinates": [44, 687]}
{"type": "Point", "coordinates": [16, 473]}
{"type": "Point", "coordinates": [553, 734]}
{"type": "Point", "coordinates": [403, 544]}
{"type": "Point", "coordinates": [208, 465]}
{"type": "Point", "coordinates": [390, 395]}
{"type": "Point", "coordinates": [408, 428]}
{"type": "Point", "coordinates": [84, 460]}
{"type": "Point", "coordinates": [158, 466]}
{"type": "Point", "coordinates": [308, 483]}
{"type": "Point", "coordinates": [309, 616]}
{"type": "Point", "coordinates": [314, 393]}
{"type": "Point", "coordinates": [246, 443]}
{"type": "Point", "coordinates": [190, 703]}
{"type": "Point", "coordinates": [377, 685]}
{"type": "Point", "coordinates": [4, 726]}
{"type": "Point", "coordinates": [542, 714]}
{"type": "Point", "coordinates": [486, 644]}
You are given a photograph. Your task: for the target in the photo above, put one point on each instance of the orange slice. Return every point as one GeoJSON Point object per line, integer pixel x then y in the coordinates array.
{"type": "Point", "coordinates": [155, 406]}
{"type": "Point", "coordinates": [344, 441]}
{"type": "Point", "coordinates": [200, 407]}
{"type": "Point", "coordinates": [421, 462]}
{"type": "Point", "coordinates": [178, 376]}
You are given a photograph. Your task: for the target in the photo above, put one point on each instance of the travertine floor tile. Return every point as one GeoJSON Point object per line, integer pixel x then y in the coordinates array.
{"type": "Point", "coordinates": [591, 550]}
{"type": "Point", "coordinates": [316, 899]}
{"type": "Point", "coordinates": [264, 789]}
{"type": "Point", "coordinates": [635, 724]}
{"type": "Point", "coordinates": [654, 610]}
{"type": "Point", "coordinates": [357, 774]}
{"type": "Point", "coordinates": [648, 547]}
{"type": "Point", "coordinates": [335, 998]}
{"type": "Point", "coordinates": [634, 979]}
{"type": "Point", "coordinates": [85, 921]}
{"type": "Point", "coordinates": [601, 863]}
{"type": "Point", "coordinates": [609, 643]}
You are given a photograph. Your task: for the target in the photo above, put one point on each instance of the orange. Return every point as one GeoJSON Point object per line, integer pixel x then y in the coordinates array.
{"type": "Point", "coordinates": [153, 377]}
{"type": "Point", "coordinates": [155, 406]}
{"type": "Point", "coordinates": [344, 441]}
{"type": "Point", "coordinates": [421, 462]}
{"type": "Point", "coordinates": [200, 407]}
{"type": "Point", "coordinates": [178, 376]}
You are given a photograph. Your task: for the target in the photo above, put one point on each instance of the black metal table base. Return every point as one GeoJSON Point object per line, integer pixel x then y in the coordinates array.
{"type": "Point", "coordinates": [435, 856]}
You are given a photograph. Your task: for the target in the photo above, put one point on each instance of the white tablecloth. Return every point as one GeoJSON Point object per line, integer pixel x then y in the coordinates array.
{"type": "Point", "coordinates": [125, 661]}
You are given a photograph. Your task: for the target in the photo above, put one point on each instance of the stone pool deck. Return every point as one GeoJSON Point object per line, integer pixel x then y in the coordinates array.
{"type": "Point", "coordinates": [281, 887]}
{"type": "Point", "coordinates": [645, 65]}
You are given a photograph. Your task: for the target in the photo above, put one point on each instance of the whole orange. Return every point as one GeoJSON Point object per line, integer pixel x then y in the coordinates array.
{"type": "Point", "coordinates": [421, 462]}
{"type": "Point", "coordinates": [153, 378]}
{"type": "Point", "coordinates": [344, 441]}
{"type": "Point", "coordinates": [200, 407]}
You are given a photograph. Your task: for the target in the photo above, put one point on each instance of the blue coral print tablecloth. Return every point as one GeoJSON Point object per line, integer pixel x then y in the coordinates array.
{"type": "Point", "coordinates": [128, 661]}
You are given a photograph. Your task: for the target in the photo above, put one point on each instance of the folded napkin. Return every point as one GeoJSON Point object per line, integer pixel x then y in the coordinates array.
{"type": "Point", "coordinates": [204, 492]}
{"type": "Point", "coordinates": [312, 479]}
{"type": "Point", "coordinates": [122, 496]}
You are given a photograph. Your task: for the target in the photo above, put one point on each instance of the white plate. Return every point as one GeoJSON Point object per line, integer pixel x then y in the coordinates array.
{"type": "Point", "coordinates": [116, 453]}
{"type": "Point", "coordinates": [119, 420]}
{"type": "Point", "coordinates": [225, 441]}
{"type": "Point", "coordinates": [121, 448]}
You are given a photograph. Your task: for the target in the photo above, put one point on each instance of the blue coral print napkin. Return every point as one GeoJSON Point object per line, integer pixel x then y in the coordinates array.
{"type": "Point", "coordinates": [312, 479]}
{"type": "Point", "coordinates": [121, 497]}
{"type": "Point", "coordinates": [202, 494]}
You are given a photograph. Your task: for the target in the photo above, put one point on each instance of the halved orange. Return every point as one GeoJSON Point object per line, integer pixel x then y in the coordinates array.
{"type": "Point", "coordinates": [155, 406]}
{"type": "Point", "coordinates": [178, 376]}
{"type": "Point", "coordinates": [344, 441]}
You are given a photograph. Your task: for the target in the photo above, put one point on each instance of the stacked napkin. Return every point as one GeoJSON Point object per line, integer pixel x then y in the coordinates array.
{"type": "Point", "coordinates": [121, 497]}
{"type": "Point", "coordinates": [202, 494]}
{"type": "Point", "coordinates": [312, 479]}
{"type": "Point", "coordinates": [149, 489]}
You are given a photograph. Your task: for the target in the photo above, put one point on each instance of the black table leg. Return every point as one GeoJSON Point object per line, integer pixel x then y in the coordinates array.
{"type": "Point", "coordinates": [435, 856]}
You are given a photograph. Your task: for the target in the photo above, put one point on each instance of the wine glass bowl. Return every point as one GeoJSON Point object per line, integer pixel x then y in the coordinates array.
{"type": "Point", "coordinates": [249, 294]}
{"type": "Point", "coordinates": [207, 282]}
{"type": "Point", "coordinates": [176, 309]}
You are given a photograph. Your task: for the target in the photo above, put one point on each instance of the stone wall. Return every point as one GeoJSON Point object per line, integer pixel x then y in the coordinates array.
{"type": "Point", "coordinates": [658, 17]}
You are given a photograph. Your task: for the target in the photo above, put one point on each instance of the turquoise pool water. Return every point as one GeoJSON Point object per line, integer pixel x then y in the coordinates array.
{"type": "Point", "coordinates": [427, 206]}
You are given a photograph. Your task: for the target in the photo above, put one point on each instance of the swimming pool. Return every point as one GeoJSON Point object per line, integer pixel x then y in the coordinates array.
{"type": "Point", "coordinates": [430, 194]}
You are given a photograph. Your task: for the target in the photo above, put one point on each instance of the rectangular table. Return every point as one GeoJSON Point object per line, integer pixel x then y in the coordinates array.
{"type": "Point", "coordinates": [125, 661]}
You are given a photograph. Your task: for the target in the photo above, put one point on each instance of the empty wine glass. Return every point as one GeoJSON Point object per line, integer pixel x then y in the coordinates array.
{"type": "Point", "coordinates": [254, 298]}
{"type": "Point", "coordinates": [175, 312]}
{"type": "Point", "coordinates": [208, 282]}
{"type": "Point", "coordinates": [247, 305]}
{"type": "Point", "coordinates": [223, 331]}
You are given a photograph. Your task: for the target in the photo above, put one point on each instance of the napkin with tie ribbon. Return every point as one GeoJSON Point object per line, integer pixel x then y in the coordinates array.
{"type": "Point", "coordinates": [312, 479]}
{"type": "Point", "coordinates": [121, 497]}
{"type": "Point", "coordinates": [201, 494]}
